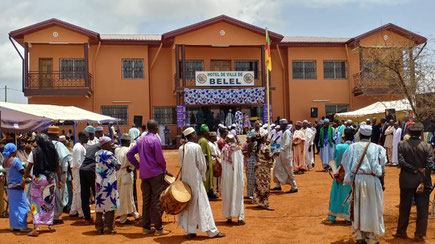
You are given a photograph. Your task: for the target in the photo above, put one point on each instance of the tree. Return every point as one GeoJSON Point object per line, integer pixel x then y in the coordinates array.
{"type": "Point", "coordinates": [404, 70]}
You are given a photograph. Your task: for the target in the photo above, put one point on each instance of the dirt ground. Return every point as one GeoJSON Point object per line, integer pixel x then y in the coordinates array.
{"type": "Point", "coordinates": [296, 219]}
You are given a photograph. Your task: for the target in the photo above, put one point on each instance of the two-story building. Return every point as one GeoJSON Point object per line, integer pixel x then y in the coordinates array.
{"type": "Point", "coordinates": [136, 77]}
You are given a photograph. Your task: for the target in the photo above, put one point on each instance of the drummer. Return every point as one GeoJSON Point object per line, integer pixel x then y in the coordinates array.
{"type": "Point", "coordinates": [198, 214]}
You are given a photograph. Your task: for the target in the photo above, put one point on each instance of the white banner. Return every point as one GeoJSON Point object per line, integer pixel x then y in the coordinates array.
{"type": "Point", "coordinates": [224, 78]}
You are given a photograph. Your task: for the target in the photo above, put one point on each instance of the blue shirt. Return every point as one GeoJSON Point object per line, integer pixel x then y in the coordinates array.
{"type": "Point", "coordinates": [14, 175]}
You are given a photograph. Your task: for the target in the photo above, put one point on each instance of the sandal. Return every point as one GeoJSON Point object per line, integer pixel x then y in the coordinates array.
{"type": "Point", "coordinates": [51, 229]}
{"type": "Point", "coordinates": [269, 209]}
{"type": "Point", "coordinates": [34, 233]}
{"type": "Point", "coordinates": [219, 235]}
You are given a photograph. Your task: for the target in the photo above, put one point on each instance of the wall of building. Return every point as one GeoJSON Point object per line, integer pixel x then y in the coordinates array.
{"type": "Point", "coordinates": [305, 92]}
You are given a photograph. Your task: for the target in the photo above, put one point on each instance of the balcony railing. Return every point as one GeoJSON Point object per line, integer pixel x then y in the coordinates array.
{"type": "Point", "coordinates": [366, 85]}
{"type": "Point", "coordinates": [57, 84]}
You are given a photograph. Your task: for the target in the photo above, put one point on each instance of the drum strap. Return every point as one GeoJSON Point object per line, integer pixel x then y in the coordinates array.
{"type": "Point", "coordinates": [182, 162]}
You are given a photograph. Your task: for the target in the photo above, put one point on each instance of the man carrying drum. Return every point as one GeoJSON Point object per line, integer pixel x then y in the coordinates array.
{"type": "Point", "coordinates": [152, 169]}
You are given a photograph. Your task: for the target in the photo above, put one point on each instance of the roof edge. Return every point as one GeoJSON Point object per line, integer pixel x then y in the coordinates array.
{"type": "Point", "coordinates": [19, 33]}
{"type": "Point", "coordinates": [171, 34]}
{"type": "Point", "coordinates": [418, 39]}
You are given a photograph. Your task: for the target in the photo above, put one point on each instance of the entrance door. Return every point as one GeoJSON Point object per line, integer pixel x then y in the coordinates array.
{"type": "Point", "coordinates": [220, 65]}
{"type": "Point", "coordinates": [45, 72]}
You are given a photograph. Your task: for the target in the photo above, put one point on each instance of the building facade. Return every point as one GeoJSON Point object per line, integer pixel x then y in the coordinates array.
{"type": "Point", "coordinates": [137, 77]}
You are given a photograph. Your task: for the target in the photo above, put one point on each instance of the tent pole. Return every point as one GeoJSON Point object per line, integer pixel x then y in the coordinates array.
{"type": "Point", "coordinates": [75, 132]}
{"type": "Point", "coordinates": [110, 131]}
{"type": "Point", "coordinates": [119, 131]}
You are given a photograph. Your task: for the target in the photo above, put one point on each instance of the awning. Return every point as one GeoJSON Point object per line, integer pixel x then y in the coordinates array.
{"type": "Point", "coordinates": [59, 113]}
{"type": "Point", "coordinates": [376, 109]}
{"type": "Point", "coordinates": [13, 121]}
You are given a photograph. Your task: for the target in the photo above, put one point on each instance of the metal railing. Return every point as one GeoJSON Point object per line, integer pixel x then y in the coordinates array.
{"type": "Point", "coordinates": [365, 84]}
{"type": "Point", "coordinates": [57, 80]}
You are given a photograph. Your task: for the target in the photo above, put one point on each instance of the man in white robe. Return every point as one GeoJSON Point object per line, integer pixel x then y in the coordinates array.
{"type": "Point", "coordinates": [198, 214]}
{"type": "Point", "coordinates": [125, 180]}
{"type": "Point", "coordinates": [397, 135]}
{"type": "Point", "coordinates": [388, 144]}
{"type": "Point", "coordinates": [309, 142]}
{"type": "Point", "coordinates": [78, 156]}
{"type": "Point", "coordinates": [368, 209]}
{"type": "Point", "coordinates": [232, 181]}
{"type": "Point", "coordinates": [283, 171]}
{"type": "Point", "coordinates": [229, 121]}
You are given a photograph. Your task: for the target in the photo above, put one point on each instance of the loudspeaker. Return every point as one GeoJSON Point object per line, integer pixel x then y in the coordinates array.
{"type": "Point", "coordinates": [137, 120]}
{"type": "Point", "coordinates": [314, 112]}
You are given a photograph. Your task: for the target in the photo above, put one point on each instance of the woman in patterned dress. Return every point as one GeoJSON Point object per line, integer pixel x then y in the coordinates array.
{"type": "Point", "coordinates": [262, 171]}
{"type": "Point", "coordinates": [107, 197]}
{"type": "Point", "coordinates": [44, 161]}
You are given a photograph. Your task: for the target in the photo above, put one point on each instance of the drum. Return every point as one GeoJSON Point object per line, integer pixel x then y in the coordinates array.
{"type": "Point", "coordinates": [176, 198]}
{"type": "Point", "coordinates": [168, 181]}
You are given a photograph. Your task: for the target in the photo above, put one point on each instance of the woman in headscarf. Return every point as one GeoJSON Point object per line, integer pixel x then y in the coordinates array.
{"type": "Point", "coordinates": [262, 171]}
{"type": "Point", "coordinates": [17, 198]}
{"type": "Point", "coordinates": [107, 196]}
{"type": "Point", "coordinates": [44, 161]}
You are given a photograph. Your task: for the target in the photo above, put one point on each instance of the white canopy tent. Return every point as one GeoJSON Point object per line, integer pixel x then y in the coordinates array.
{"type": "Point", "coordinates": [60, 113]}
{"type": "Point", "coordinates": [376, 109]}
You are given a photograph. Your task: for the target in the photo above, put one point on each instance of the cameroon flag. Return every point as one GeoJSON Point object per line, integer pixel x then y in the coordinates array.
{"type": "Point", "coordinates": [268, 57]}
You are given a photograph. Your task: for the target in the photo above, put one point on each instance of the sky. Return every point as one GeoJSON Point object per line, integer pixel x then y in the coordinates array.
{"type": "Point", "coordinates": [323, 18]}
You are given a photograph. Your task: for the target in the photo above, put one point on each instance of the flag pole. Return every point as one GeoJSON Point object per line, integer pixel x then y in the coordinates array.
{"type": "Point", "coordinates": [268, 101]}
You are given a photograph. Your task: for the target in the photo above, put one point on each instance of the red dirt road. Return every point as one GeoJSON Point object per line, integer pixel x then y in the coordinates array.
{"type": "Point", "coordinates": [296, 219]}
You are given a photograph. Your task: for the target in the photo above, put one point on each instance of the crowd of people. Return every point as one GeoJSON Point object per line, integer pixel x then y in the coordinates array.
{"type": "Point", "coordinates": [50, 176]}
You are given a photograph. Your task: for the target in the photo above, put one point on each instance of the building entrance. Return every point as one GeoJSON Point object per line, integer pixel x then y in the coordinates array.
{"type": "Point", "coordinates": [213, 115]}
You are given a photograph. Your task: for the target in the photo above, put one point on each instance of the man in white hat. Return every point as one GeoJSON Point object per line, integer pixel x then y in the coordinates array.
{"type": "Point", "coordinates": [232, 181]}
{"type": "Point", "coordinates": [309, 142]}
{"type": "Point", "coordinates": [78, 156]}
{"type": "Point", "coordinates": [198, 214]}
{"type": "Point", "coordinates": [283, 171]}
{"type": "Point", "coordinates": [125, 182]}
{"type": "Point", "coordinates": [364, 164]}
{"type": "Point", "coordinates": [326, 144]}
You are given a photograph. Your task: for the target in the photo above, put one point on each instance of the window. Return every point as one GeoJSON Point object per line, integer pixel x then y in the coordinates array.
{"type": "Point", "coordinates": [165, 115]}
{"type": "Point", "coordinates": [304, 70]}
{"type": "Point", "coordinates": [334, 69]}
{"type": "Point", "coordinates": [72, 69]}
{"type": "Point", "coordinates": [247, 66]}
{"type": "Point", "coordinates": [120, 112]}
{"type": "Point", "coordinates": [191, 67]}
{"type": "Point", "coordinates": [332, 109]}
{"type": "Point", "coordinates": [132, 69]}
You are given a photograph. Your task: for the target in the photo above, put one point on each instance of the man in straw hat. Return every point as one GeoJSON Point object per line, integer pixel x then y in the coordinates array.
{"type": "Point", "coordinates": [64, 158]}
{"type": "Point", "coordinates": [283, 171]}
{"type": "Point", "coordinates": [198, 214]}
{"type": "Point", "coordinates": [364, 163]}
{"type": "Point", "coordinates": [415, 161]}
{"type": "Point", "coordinates": [152, 170]}
{"type": "Point", "coordinates": [125, 182]}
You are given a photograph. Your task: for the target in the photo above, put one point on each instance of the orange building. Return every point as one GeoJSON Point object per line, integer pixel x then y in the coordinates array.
{"type": "Point", "coordinates": [136, 77]}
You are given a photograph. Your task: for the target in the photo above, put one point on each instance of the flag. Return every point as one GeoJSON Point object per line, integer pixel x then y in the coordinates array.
{"type": "Point", "coordinates": [268, 57]}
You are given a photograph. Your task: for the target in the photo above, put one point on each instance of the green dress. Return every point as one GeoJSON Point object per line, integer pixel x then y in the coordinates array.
{"type": "Point", "coordinates": [208, 183]}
